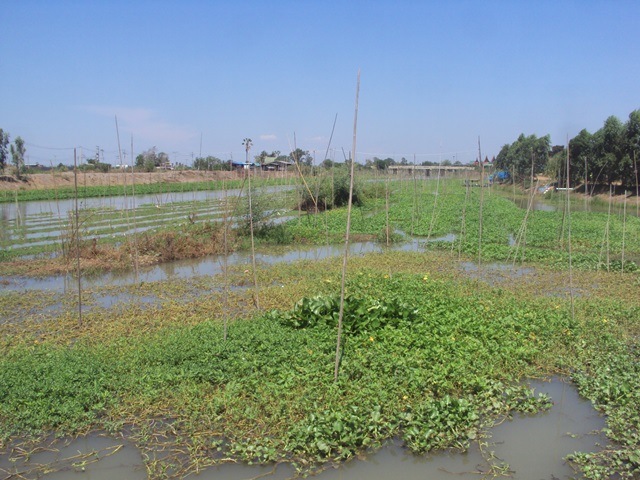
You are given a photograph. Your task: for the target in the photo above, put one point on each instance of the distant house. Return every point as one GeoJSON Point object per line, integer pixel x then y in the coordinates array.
{"type": "Point", "coordinates": [36, 167]}
{"type": "Point", "coordinates": [242, 165]}
{"type": "Point", "coordinates": [273, 164]}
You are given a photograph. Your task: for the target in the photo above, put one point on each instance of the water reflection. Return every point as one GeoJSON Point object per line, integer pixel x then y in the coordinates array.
{"type": "Point", "coordinates": [558, 204]}
{"type": "Point", "coordinates": [535, 446]}
{"type": "Point", "coordinates": [530, 447]}
{"type": "Point", "coordinates": [189, 268]}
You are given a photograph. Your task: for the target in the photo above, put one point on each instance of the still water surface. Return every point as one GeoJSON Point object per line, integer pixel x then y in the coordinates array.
{"type": "Point", "coordinates": [533, 447]}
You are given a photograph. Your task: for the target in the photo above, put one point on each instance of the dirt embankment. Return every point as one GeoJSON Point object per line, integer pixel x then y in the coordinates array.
{"type": "Point", "coordinates": [65, 179]}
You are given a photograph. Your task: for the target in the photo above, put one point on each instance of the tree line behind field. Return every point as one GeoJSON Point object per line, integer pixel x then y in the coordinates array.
{"type": "Point", "coordinates": [608, 156]}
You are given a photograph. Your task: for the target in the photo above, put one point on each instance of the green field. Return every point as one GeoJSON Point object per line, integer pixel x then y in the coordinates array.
{"type": "Point", "coordinates": [431, 355]}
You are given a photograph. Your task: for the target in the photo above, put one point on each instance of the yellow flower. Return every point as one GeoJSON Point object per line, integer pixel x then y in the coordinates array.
{"type": "Point", "coordinates": [426, 277]}
{"type": "Point", "coordinates": [404, 397]}
{"type": "Point", "coordinates": [371, 339]}
{"type": "Point", "coordinates": [386, 276]}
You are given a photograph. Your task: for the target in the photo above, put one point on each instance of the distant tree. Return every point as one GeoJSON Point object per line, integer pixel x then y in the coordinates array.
{"type": "Point", "coordinates": [301, 156]}
{"type": "Point", "coordinates": [327, 163]}
{"type": "Point", "coordinates": [149, 165]}
{"type": "Point", "coordinates": [609, 150]}
{"type": "Point", "coordinates": [382, 164]}
{"type": "Point", "coordinates": [4, 151]}
{"type": "Point", "coordinates": [162, 159]}
{"type": "Point", "coordinates": [632, 147]}
{"type": "Point", "coordinates": [518, 157]}
{"type": "Point", "coordinates": [581, 150]}
{"type": "Point", "coordinates": [632, 133]}
{"type": "Point", "coordinates": [247, 143]}
{"type": "Point", "coordinates": [96, 164]}
{"type": "Point", "coordinates": [148, 160]}
{"type": "Point", "coordinates": [209, 163]}
{"type": "Point", "coordinates": [557, 165]}
{"type": "Point", "coordinates": [260, 158]}
{"type": "Point", "coordinates": [17, 156]}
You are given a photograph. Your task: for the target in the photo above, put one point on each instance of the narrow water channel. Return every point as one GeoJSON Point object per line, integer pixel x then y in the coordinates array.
{"type": "Point", "coordinates": [189, 268]}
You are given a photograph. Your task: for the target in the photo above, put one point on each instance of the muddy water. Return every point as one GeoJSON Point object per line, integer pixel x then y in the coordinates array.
{"type": "Point", "coordinates": [546, 205]}
{"type": "Point", "coordinates": [494, 273]}
{"type": "Point", "coordinates": [39, 223]}
{"type": "Point", "coordinates": [189, 268]}
{"type": "Point", "coordinates": [62, 208]}
{"type": "Point", "coordinates": [91, 457]}
{"type": "Point", "coordinates": [529, 447]}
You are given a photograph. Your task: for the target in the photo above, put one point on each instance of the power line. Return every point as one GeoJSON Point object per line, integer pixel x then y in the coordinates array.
{"type": "Point", "coordinates": [48, 148]}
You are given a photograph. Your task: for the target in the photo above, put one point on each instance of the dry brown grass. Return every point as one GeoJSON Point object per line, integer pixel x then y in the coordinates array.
{"type": "Point", "coordinates": [146, 249]}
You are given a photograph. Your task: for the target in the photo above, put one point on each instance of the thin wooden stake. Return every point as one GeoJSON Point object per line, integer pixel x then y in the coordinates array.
{"type": "Point", "coordinates": [133, 211]}
{"type": "Point", "coordinates": [624, 226]}
{"type": "Point", "coordinates": [605, 237]}
{"type": "Point", "coordinates": [386, 196]}
{"type": "Point", "coordinates": [77, 235]}
{"type": "Point", "coordinates": [225, 260]}
{"type": "Point", "coordinates": [573, 312]}
{"type": "Point", "coordinates": [346, 241]}
{"type": "Point", "coordinates": [415, 197]}
{"type": "Point", "coordinates": [635, 166]}
{"type": "Point", "coordinates": [256, 300]}
{"type": "Point", "coordinates": [481, 204]}
{"type": "Point", "coordinates": [435, 201]}
{"type": "Point", "coordinates": [463, 226]}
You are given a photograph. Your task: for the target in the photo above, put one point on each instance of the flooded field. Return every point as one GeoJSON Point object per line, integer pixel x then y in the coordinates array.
{"type": "Point", "coordinates": [51, 223]}
{"type": "Point", "coordinates": [206, 366]}
{"type": "Point", "coordinates": [527, 447]}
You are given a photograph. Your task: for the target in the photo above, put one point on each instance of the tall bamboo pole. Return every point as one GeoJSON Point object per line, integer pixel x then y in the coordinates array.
{"type": "Point", "coordinates": [624, 227]}
{"type": "Point", "coordinates": [635, 166]}
{"type": "Point", "coordinates": [415, 196]}
{"type": "Point", "coordinates": [77, 235]}
{"type": "Point", "coordinates": [225, 259]}
{"type": "Point", "coordinates": [481, 204]}
{"type": "Point", "coordinates": [522, 232]}
{"type": "Point", "coordinates": [573, 313]}
{"type": "Point", "coordinates": [463, 226]}
{"type": "Point", "coordinates": [133, 211]}
{"type": "Point", "coordinates": [346, 240]}
{"type": "Point", "coordinates": [605, 238]}
{"type": "Point", "coordinates": [386, 207]}
{"type": "Point", "coordinates": [435, 201]}
{"type": "Point", "coordinates": [256, 300]}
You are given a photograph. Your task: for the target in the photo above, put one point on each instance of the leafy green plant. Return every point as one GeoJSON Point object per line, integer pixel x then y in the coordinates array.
{"type": "Point", "coordinates": [361, 314]}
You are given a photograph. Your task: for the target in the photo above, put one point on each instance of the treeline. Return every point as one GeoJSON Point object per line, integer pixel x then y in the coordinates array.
{"type": "Point", "coordinates": [607, 156]}
{"type": "Point", "coordinates": [17, 150]}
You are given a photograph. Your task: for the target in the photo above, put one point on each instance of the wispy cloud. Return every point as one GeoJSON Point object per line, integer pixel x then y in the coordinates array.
{"type": "Point", "coordinates": [145, 124]}
{"type": "Point", "coordinates": [268, 137]}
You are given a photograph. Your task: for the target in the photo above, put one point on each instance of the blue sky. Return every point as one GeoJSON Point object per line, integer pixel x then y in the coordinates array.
{"type": "Point", "coordinates": [434, 75]}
